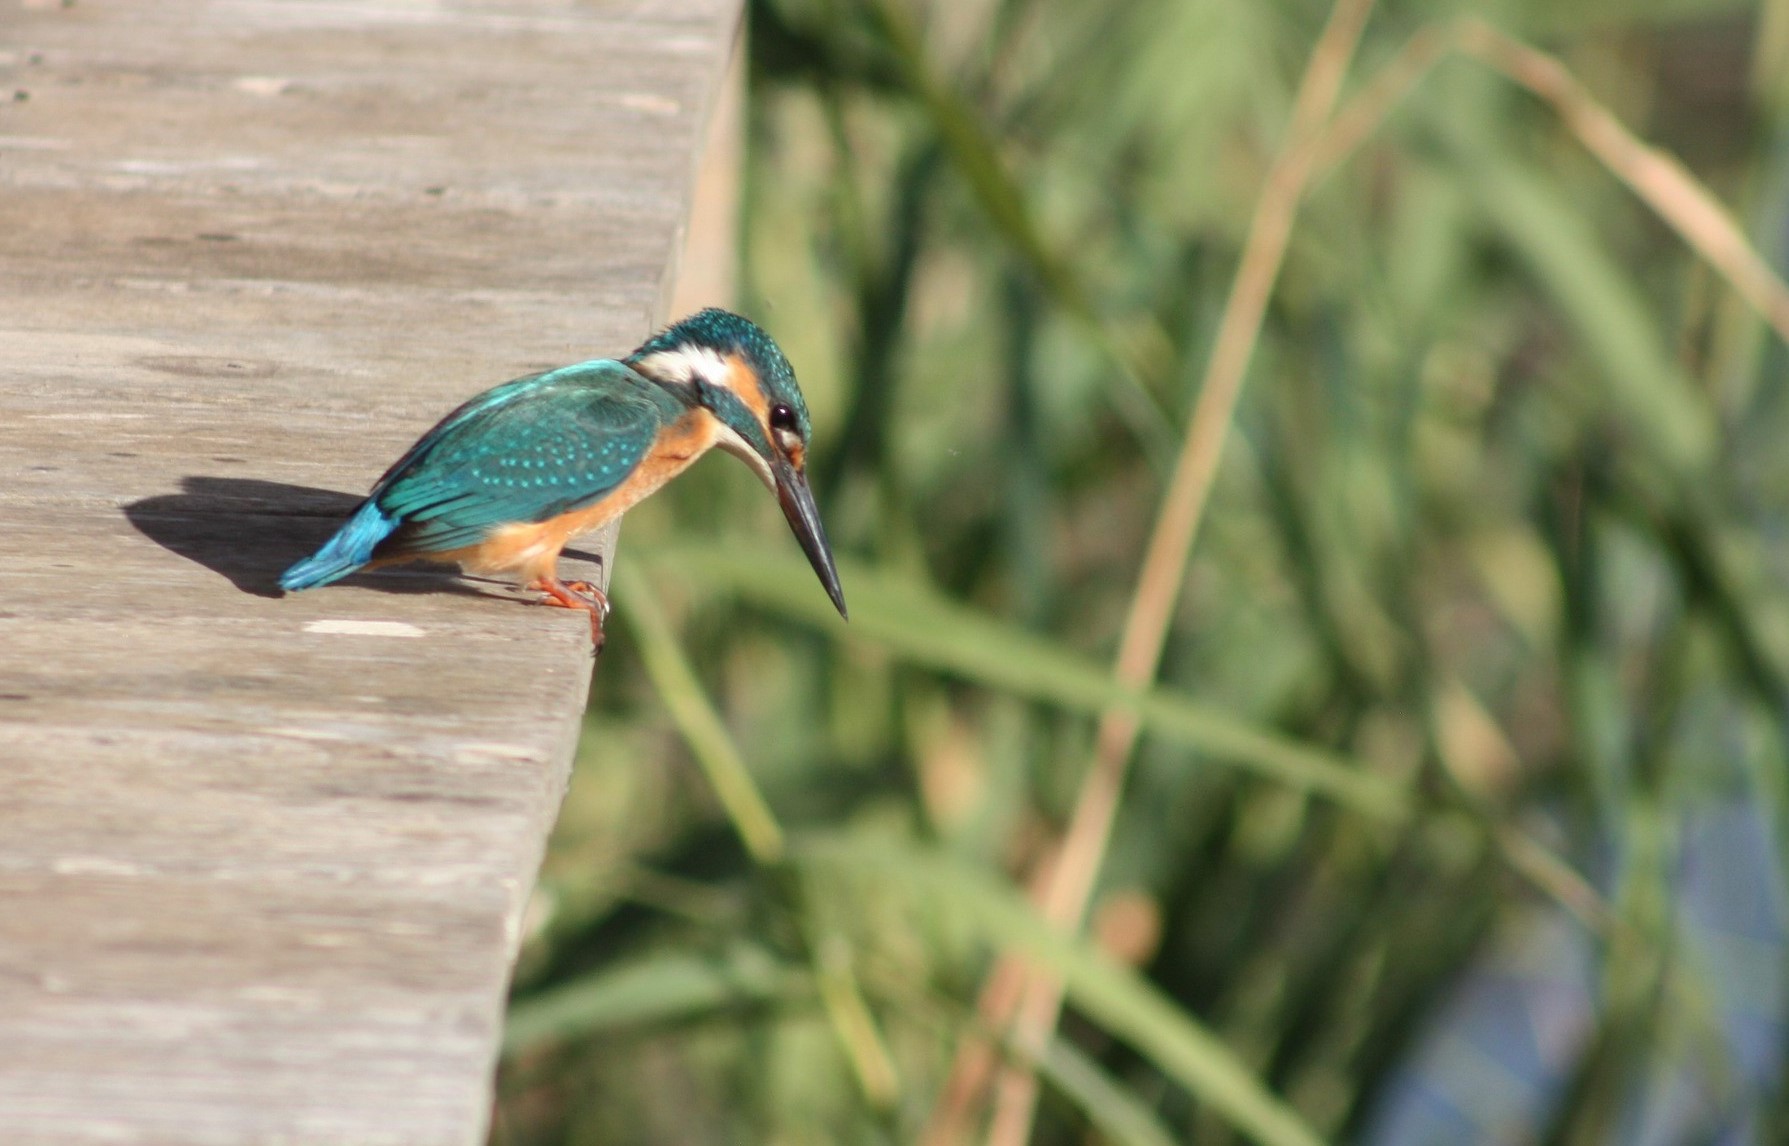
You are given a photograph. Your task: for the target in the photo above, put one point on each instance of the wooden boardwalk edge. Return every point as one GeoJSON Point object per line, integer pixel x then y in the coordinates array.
{"type": "Point", "coordinates": [263, 859]}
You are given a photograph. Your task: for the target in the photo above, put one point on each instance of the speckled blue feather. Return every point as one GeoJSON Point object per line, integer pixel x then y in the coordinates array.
{"type": "Point", "coordinates": [525, 451]}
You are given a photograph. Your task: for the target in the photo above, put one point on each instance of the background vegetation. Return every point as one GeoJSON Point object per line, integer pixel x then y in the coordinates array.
{"type": "Point", "coordinates": [1456, 811]}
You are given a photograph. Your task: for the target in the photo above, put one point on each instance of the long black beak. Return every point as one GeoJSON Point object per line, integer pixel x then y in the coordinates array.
{"type": "Point", "coordinates": [804, 518]}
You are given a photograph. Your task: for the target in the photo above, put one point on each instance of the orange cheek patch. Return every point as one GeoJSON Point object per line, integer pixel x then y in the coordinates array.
{"type": "Point", "coordinates": [743, 381]}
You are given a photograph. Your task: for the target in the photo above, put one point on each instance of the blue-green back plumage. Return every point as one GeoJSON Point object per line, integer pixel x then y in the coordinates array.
{"type": "Point", "coordinates": [525, 451]}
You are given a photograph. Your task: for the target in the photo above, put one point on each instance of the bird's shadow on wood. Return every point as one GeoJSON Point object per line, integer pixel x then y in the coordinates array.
{"type": "Point", "coordinates": [250, 530]}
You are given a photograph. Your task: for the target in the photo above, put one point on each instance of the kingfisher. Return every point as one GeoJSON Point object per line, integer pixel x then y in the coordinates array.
{"type": "Point", "coordinates": [504, 481]}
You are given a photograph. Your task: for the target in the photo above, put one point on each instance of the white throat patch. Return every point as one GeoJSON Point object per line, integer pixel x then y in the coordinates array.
{"type": "Point", "coordinates": [683, 365]}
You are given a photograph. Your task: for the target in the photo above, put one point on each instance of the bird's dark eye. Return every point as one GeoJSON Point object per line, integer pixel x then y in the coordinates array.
{"type": "Point", "coordinates": [782, 418]}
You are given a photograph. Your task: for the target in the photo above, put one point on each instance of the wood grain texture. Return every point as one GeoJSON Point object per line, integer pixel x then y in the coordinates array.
{"type": "Point", "coordinates": [263, 860]}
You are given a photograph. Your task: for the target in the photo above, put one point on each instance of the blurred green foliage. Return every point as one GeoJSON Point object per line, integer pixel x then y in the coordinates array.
{"type": "Point", "coordinates": [1490, 600]}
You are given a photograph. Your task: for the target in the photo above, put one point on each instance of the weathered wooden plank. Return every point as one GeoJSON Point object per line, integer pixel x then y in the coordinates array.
{"type": "Point", "coordinates": [263, 859]}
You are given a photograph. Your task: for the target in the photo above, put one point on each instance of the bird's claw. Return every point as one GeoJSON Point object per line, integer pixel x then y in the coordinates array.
{"type": "Point", "coordinates": [578, 595]}
{"type": "Point", "coordinates": [586, 589]}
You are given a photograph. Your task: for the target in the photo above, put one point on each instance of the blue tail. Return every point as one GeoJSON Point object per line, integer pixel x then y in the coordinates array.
{"type": "Point", "coordinates": [348, 550]}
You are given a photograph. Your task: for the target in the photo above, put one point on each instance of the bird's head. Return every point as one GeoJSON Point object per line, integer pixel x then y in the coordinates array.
{"type": "Point", "coordinates": [738, 373]}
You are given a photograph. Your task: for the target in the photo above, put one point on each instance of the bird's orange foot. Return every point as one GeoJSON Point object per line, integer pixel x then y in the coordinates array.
{"type": "Point", "coordinates": [577, 595]}
{"type": "Point", "coordinates": [586, 589]}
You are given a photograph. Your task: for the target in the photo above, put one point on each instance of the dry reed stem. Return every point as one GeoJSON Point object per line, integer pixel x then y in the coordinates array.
{"type": "Point", "coordinates": [1367, 109]}
{"type": "Point", "coordinates": [1704, 224]}
{"type": "Point", "coordinates": [977, 1054]}
{"type": "Point", "coordinates": [1316, 143]}
{"type": "Point", "coordinates": [1655, 176]}
{"type": "Point", "coordinates": [1170, 548]}
{"type": "Point", "coordinates": [1689, 208]}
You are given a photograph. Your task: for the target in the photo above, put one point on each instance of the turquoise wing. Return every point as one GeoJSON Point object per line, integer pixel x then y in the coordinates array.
{"type": "Point", "coordinates": [525, 451]}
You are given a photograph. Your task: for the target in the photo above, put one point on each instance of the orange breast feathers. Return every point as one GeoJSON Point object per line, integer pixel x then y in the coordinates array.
{"type": "Point", "coordinates": [531, 549]}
